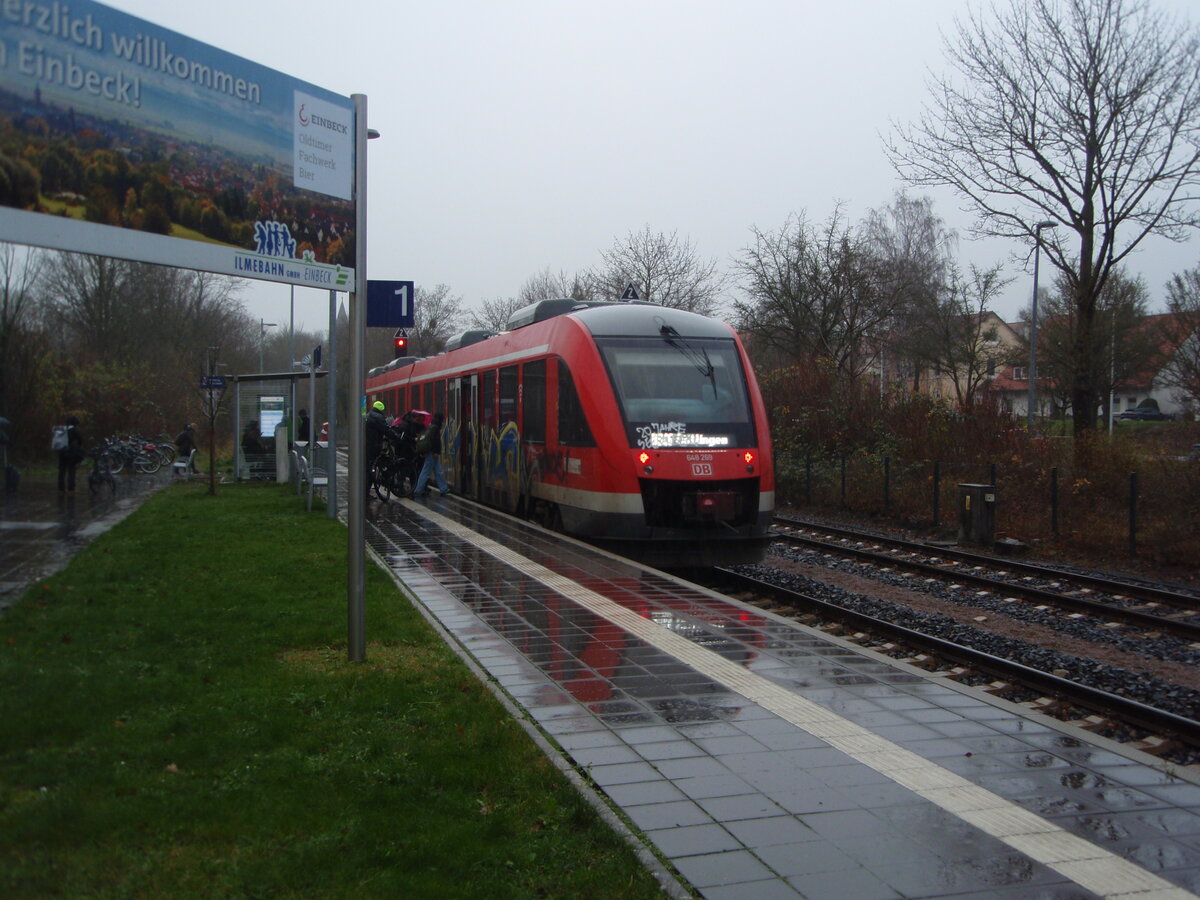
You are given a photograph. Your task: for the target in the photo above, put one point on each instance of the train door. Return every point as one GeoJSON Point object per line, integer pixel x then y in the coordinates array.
{"type": "Point", "coordinates": [468, 447]}
{"type": "Point", "coordinates": [454, 433]}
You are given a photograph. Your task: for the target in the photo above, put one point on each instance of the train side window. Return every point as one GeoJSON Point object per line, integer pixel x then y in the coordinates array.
{"type": "Point", "coordinates": [508, 395]}
{"type": "Point", "coordinates": [427, 399]}
{"type": "Point", "coordinates": [488, 400]}
{"type": "Point", "coordinates": [533, 422]}
{"type": "Point", "coordinates": [439, 398]}
{"type": "Point", "coordinates": [573, 427]}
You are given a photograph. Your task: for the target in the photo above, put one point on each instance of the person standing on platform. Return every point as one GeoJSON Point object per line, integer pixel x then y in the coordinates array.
{"type": "Point", "coordinates": [186, 442]}
{"type": "Point", "coordinates": [377, 430]}
{"type": "Point", "coordinates": [302, 428]}
{"type": "Point", "coordinates": [70, 456]}
{"type": "Point", "coordinates": [431, 446]}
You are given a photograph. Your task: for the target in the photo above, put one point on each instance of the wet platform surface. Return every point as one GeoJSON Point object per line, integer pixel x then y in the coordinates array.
{"type": "Point", "coordinates": [41, 528]}
{"type": "Point", "coordinates": [766, 759]}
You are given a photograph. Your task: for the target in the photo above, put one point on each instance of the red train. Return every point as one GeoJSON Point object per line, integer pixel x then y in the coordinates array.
{"type": "Point", "coordinates": [629, 425]}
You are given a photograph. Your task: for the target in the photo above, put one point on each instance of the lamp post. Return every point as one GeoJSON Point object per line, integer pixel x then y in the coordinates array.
{"type": "Point", "coordinates": [1031, 401]}
{"type": "Point", "coordinates": [262, 331]}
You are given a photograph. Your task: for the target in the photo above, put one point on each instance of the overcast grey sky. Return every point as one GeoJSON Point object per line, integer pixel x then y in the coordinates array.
{"type": "Point", "coordinates": [527, 134]}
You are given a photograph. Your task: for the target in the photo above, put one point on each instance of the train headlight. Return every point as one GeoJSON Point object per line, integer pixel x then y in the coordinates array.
{"type": "Point", "coordinates": [748, 456]}
{"type": "Point", "coordinates": [643, 457]}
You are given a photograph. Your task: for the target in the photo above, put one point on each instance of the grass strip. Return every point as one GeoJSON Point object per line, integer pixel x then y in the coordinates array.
{"type": "Point", "coordinates": [177, 720]}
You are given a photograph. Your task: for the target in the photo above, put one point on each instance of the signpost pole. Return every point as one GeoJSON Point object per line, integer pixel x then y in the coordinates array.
{"type": "Point", "coordinates": [331, 408]}
{"type": "Point", "coordinates": [356, 648]}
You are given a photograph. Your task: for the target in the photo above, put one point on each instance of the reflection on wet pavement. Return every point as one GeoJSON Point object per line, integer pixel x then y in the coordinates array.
{"type": "Point", "coordinates": [733, 794]}
{"type": "Point", "coordinates": [41, 528]}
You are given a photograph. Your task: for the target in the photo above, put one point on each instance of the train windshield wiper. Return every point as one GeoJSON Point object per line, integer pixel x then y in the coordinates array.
{"type": "Point", "coordinates": [697, 357]}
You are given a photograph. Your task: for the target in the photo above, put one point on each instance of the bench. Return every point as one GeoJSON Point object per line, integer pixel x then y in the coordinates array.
{"type": "Point", "coordinates": [183, 465]}
{"type": "Point", "coordinates": [318, 477]}
{"type": "Point", "coordinates": [257, 465]}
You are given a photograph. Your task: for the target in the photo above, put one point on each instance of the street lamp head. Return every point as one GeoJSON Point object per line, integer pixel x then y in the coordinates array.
{"type": "Point", "coordinates": [1047, 224]}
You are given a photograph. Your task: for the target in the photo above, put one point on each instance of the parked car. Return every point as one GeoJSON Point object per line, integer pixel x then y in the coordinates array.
{"type": "Point", "coordinates": [1145, 414]}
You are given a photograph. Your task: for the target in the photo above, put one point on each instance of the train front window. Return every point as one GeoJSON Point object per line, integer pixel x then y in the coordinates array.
{"type": "Point", "coordinates": [680, 394]}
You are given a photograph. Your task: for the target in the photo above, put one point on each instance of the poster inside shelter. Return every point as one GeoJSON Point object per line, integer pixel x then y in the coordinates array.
{"type": "Point", "coordinates": [124, 139]}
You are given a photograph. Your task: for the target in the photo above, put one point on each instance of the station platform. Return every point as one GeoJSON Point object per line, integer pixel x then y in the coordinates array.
{"type": "Point", "coordinates": [765, 759]}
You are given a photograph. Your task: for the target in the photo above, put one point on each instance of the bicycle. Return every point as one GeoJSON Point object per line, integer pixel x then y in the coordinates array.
{"type": "Point", "coordinates": [101, 474]}
{"type": "Point", "coordinates": [394, 474]}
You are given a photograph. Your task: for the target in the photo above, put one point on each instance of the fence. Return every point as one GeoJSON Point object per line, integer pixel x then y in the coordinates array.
{"type": "Point", "coordinates": [1154, 513]}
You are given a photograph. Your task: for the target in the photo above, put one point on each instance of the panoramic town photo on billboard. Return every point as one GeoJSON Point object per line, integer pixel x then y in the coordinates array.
{"type": "Point", "coordinates": [139, 136]}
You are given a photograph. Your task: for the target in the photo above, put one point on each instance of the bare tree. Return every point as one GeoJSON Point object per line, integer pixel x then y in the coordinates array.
{"type": "Point", "coordinates": [913, 251]}
{"type": "Point", "coordinates": [547, 285]}
{"type": "Point", "coordinates": [20, 272]}
{"type": "Point", "coordinates": [86, 296]}
{"type": "Point", "coordinates": [438, 314]}
{"type": "Point", "coordinates": [814, 294]}
{"type": "Point", "coordinates": [663, 269]}
{"type": "Point", "coordinates": [959, 335]}
{"type": "Point", "coordinates": [1081, 112]}
{"type": "Point", "coordinates": [493, 315]}
{"type": "Point", "coordinates": [1122, 350]}
{"type": "Point", "coordinates": [1182, 332]}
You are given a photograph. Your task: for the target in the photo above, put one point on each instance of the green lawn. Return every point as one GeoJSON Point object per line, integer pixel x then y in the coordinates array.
{"type": "Point", "coordinates": [178, 719]}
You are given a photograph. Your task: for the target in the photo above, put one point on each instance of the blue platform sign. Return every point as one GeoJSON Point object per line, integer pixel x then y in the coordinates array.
{"type": "Point", "coordinates": [390, 304]}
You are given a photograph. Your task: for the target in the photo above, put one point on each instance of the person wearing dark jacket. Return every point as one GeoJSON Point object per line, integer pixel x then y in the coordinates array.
{"type": "Point", "coordinates": [186, 442]}
{"type": "Point", "coordinates": [250, 440]}
{"type": "Point", "coordinates": [432, 467]}
{"type": "Point", "coordinates": [302, 428]}
{"type": "Point", "coordinates": [377, 430]}
{"type": "Point", "coordinates": [70, 456]}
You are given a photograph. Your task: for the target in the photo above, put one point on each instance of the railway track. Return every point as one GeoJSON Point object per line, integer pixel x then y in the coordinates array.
{"type": "Point", "coordinates": [1146, 608]}
{"type": "Point", "coordinates": [1165, 733]}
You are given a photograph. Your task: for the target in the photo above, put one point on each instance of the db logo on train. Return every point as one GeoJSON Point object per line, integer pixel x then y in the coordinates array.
{"type": "Point", "coordinates": [702, 468]}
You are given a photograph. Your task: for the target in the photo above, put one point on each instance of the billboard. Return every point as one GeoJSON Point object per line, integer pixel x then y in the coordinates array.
{"type": "Point", "coordinates": [123, 139]}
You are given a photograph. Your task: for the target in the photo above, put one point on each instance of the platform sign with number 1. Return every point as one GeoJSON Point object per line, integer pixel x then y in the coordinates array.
{"type": "Point", "coordinates": [390, 304]}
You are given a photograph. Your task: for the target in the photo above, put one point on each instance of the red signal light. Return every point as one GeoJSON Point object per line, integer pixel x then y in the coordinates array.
{"type": "Point", "coordinates": [401, 343]}
{"type": "Point", "coordinates": [643, 457]}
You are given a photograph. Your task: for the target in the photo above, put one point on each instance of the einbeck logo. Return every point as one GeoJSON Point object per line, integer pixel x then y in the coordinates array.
{"type": "Point", "coordinates": [320, 121]}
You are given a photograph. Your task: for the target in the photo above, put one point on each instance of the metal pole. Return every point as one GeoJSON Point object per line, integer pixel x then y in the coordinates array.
{"type": "Point", "coordinates": [808, 478]}
{"type": "Point", "coordinates": [331, 408]}
{"type": "Point", "coordinates": [292, 363]}
{"type": "Point", "coordinates": [1031, 400]}
{"type": "Point", "coordinates": [937, 493]}
{"type": "Point", "coordinates": [356, 643]}
{"type": "Point", "coordinates": [887, 484]}
{"type": "Point", "coordinates": [1054, 500]}
{"type": "Point", "coordinates": [1133, 501]}
{"type": "Point", "coordinates": [312, 431]}
{"type": "Point", "coordinates": [237, 430]}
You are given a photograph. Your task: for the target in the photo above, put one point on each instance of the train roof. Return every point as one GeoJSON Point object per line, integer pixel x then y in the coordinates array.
{"type": "Point", "coordinates": [648, 320]}
{"type": "Point", "coordinates": [600, 319]}
{"type": "Point", "coordinates": [619, 317]}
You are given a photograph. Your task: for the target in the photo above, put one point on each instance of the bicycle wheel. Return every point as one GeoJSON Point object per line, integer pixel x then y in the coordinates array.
{"type": "Point", "coordinates": [406, 476]}
{"type": "Point", "coordinates": [115, 459]}
{"type": "Point", "coordinates": [147, 464]}
{"type": "Point", "coordinates": [382, 482]}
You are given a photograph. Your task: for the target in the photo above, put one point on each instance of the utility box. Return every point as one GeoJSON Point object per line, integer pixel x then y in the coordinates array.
{"type": "Point", "coordinates": [977, 513]}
